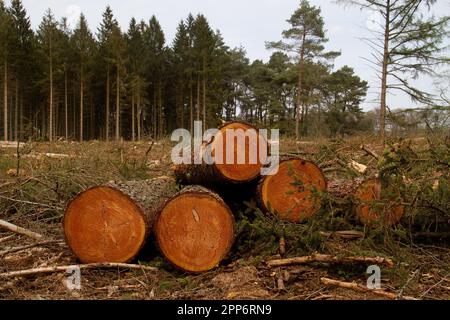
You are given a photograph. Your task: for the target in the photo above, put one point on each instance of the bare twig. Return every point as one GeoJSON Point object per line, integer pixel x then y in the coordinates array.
{"type": "Point", "coordinates": [400, 294]}
{"type": "Point", "coordinates": [32, 203]}
{"type": "Point", "coordinates": [357, 287]}
{"type": "Point", "coordinates": [16, 249]}
{"type": "Point", "coordinates": [27, 272]}
{"type": "Point", "coordinates": [7, 238]}
{"type": "Point", "coordinates": [19, 230]}
{"type": "Point", "coordinates": [349, 234]}
{"type": "Point", "coordinates": [324, 258]}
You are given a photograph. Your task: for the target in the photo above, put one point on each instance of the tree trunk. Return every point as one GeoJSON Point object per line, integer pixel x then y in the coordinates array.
{"type": "Point", "coordinates": [16, 113]}
{"type": "Point", "coordinates": [195, 230]}
{"type": "Point", "coordinates": [155, 113]}
{"type": "Point", "coordinates": [384, 70]}
{"type": "Point", "coordinates": [204, 94]}
{"type": "Point", "coordinates": [160, 108]}
{"type": "Point", "coordinates": [133, 133]}
{"type": "Point", "coordinates": [50, 136]}
{"type": "Point", "coordinates": [117, 105]}
{"type": "Point", "coordinates": [21, 118]}
{"type": "Point", "coordinates": [294, 193]}
{"type": "Point", "coordinates": [225, 172]}
{"type": "Point", "coordinates": [107, 103]}
{"type": "Point", "coordinates": [299, 86]}
{"type": "Point", "coordinates": [81, 104]}
{"type": "Point", "coordinates": [66, 107]}
{"type": "Point", "coordinates": [198, 98]}
{"type": "Point", "coordinates": [5, 102]}
{"type": "Point", "coordinates": [139, 115]}
{"type": "Point", "coordinates": [111, 223]}
{"type": "Point", "coordinates": [191, 108]}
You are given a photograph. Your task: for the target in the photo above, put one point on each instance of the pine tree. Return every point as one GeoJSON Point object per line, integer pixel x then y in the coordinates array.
{"type": "Point", "coordinates": [344, 92]}
{"type": "Point", "coordinates": [118, 49]}
{"type": "Point", "coordinates": [106, 51]}
{"type": "Point", "coordinates": [154, 44]}
{"type": "Point", "coordinates": [47, 33]}
{"type": "Point", "coordinates": [83, 43]}
{"type": "Point", "coordinates": [22, 56]}
{"type": "Point", "coordinates": [305, 38]}
{"type": "Point", "coordinates": [138, 83]}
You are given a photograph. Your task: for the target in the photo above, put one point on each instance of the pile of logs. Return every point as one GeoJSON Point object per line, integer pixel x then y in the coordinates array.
{"type": "Point", "coordinates": [194, 227]}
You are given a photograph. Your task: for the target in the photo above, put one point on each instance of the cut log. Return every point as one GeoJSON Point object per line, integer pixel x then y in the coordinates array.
{"type": "Point", "coordinates": [222, 171]}
{"type": "Point", "coordinates": [195, 230]}
{"type": "Point", "coordinates": [295, 191]}
{"type": "Point", "coordinates": [376, 202]}
{"type": "Point", "coordinates": [110, 223]}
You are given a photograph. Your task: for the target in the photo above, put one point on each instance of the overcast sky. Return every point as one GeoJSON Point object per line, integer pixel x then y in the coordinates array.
{"type": "Point", "coordinates": [246, 23]}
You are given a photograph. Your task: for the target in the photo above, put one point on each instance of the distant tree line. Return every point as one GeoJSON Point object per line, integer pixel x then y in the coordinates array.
{"type": "Point", "coordinates": [112, 84]}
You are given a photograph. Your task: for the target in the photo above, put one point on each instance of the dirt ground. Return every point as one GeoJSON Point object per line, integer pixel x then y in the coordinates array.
{"type": "Point", "coordinates": [35, 199]}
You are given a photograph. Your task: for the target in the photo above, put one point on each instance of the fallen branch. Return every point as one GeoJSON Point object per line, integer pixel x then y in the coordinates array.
{"type": "Point", "coordinates": [19, 230]}
{"type": "Point", "coordinates": [16, 249]}
{"type": "Point", "coordinates": [11, 144]}
{"type": "Point", "coordinates": [357, 287]}
{"type": "Point", "coordinates": [324, 258]}
{"type": "Point", "coordinates": [7, 238]}
{"type": "Point", "coordinates": [349, 235]}
{"type": "Point", "coordinates": [370, 152]}
{"type": "Point", "coordinates": [27, 272]}
{"type": "Point", "coordinates": [32, 203]}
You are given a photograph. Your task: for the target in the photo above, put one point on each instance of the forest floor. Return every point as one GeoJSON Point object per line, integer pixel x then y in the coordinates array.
{"type": "Point", "coordinates": [50, 174]}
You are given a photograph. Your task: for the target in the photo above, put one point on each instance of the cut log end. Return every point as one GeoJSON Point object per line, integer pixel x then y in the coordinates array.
{"type": "Point", "coordinates": [377, 203]}
{"type": "Point", "coordinates": [103, 224]}
{"type": "Point", "coordinates": [294, 192]}
{"type": "Point", "coordinates": [250, 168]}
{"type": "Point", "coordinates": [195, 230]}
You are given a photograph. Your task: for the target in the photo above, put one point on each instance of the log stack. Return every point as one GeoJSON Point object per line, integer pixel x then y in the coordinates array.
{"type": "Point", "coordinates": [194, 228]}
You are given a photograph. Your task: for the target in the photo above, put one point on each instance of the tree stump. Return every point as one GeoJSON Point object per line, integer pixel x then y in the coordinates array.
{"type": "Point", "coordinates": [111, 223]}
{"type": "Point", "coordinates": [195, 230]}
{"type": "Point", "coordinates": [295, 192]}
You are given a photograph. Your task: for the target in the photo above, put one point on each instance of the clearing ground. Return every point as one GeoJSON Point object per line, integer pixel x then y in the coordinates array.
{"type": "Point", "coordinates": [51, 174]}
